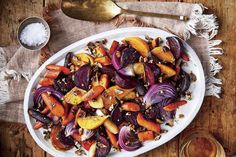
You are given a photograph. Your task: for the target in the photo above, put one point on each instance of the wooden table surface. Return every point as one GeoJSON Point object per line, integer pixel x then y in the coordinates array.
{"type": "Point", "coordinates": [216, 115]}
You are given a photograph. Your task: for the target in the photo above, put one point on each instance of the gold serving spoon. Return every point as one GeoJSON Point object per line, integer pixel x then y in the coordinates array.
{"type": "Point", "coordinates": [104, 10]}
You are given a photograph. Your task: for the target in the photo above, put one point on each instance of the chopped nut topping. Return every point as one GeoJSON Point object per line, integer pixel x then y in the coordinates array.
{"type": "Point", "coordinates": [159, 121]}
{"type": "Point", "coordinates": [117, 91]}
{"type": "Point", "coordinates": [141, 59]}
{"type": "Point", "coordinates": [161, 79]}
{"type": "Point", "coordinates": [80, 152]}
{"type": "Point", "coordinates": [188, 95]}
{"type": "Point", "coordinates": [46, 135]}
{"type": "Point", "coordinates": [164, 131]}
{"type": "Point", "coordinates": [181, 115]}
{"type": "Point", "coordinates": [145, 59]}
{"type": "Point", "coordinates": [157, 137]}
{"type": "Point", "coordinates": [193, 77]}
{"type": "Point", "coordinates": [111, 107]}
{"type": "Point", "coordinates": [128, 113]}
{"type": "Point", "coordinates": [118, 54]}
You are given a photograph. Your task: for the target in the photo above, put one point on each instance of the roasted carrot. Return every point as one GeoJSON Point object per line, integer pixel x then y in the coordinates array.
{"type": "Point", "coordinates": [93, 93]}
{"type": "Point", "coordinates": [70, 116]}
{"type": "Point", "coordinates": [105, 60]}
{"type": "Point", "coordinates": [76, 136]}
{"type": "Point", "coordinates": [45, 110]}
{"type": "Point", "coordinates": [52, 74]}
{"type": "Point", "coordinates": [79, 113]}
{"type": "Point", "coordinates": [38, 125]}
{"type": "Point", "coordinates": [100, 51]}
{"type": "Point", "coordinates": [55, 140]}
{"type": "Point", "coordinates": [56, 107]}
{"type": "Point", "coordinates": [66, 107]}
{"type": "Point", "coordinates": [146, 135]}
{"type": "Point", "coordinates": [112, 139]}
{"type": "Point", "coordinates": [87, 144]}
{"type": "Point", "coordinates": [155, 42]}
{"type": "Point", "coordinates": [150, 125]}
{"type": "Point", "coordinates": [58, 68]}
{"type": "Point", "coordinates": [130, 106]}
{"type": "Point", "coordinates": [104, 81]}
{"type": "Point", "coordinates": [168, 71]}
{"type": "Point", "coordinates": [46, 82]}
{"type": "Point", "coordinates": [172, 106]}
{"type": "Point", "coordinates": [185, 56]}
{"type": "Point", "coordinates": [113, 47]}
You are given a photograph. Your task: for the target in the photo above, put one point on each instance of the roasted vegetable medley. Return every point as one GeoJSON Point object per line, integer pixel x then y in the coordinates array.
{"type": "Point", "coordinates": [117, 97]}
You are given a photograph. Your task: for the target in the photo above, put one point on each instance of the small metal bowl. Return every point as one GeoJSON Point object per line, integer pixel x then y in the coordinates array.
{"type": "Point", "coordinates": [28, 21]}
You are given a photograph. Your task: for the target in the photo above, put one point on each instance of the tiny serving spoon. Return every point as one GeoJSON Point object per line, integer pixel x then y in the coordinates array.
{"type": "Point", "coordinates": [104, 10]}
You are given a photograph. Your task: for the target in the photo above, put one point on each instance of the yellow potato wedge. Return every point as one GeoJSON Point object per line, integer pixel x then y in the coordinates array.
{"type": "Point", "coordinates": [74, 97]}
{"type": "Point", "coordinates": [138, 68]}
{"type": "Point", "coordinates": [168, 71]}
{"type": "Point", "coordinates": [96, 103]}
{"type": "Point", "coordinates": [111, 126]}
{"type": "Point", "coordinates": [160, 53]}
{"type": "Point", "coordinates": [139, 44]}
{"type": "Point", "coordinates": [92, 150]}
{"type": "Point", "coordinates": [82, 58]}
{"type": "Point", "coordinates": [130, 96]}
{"type": "Point", "coordinates": [91, 122]}
{"type": "Point", "coordinates": [109, 95]}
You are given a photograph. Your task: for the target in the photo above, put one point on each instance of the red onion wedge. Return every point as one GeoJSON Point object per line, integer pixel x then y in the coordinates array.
{"type": "Point", "coordinates": [128, 56]}
{"type": "Point", "coordinates": [125, 82]}
{"type": "Point", "coordinates": [37, 93]}
{"type": "Point", "coordinates": [128, 71]}
{"type": "Point", "coordinates": [152, 73]}
{"type": "Point", "coordinates": [69, 129]}
{"type": "Point", "coordinates": [176, 46]}
{"type": "Point", "coordinates": [103, 147]}
{"type": "Point", "coordinates": [82, 77]}
{"type": "Point", "coordinates": [127, 139]}
{"type": "Point", "coordinates": [159, 92]}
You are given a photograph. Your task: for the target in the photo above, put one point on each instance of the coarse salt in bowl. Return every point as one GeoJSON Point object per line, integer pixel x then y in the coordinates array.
{"type": "Point", "coordinates": [33, 33]}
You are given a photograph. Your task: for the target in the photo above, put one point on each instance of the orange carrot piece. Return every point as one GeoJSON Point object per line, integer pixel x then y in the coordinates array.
{"type": "Point", "coordinates": [168, 71]}
{"type": "Point", "coordinates": [104, 81]}
{"type": "Point", "coordinates": [56, 107]}
{"type": "Point", "coordinates": [66, 107]}
{"type": "Point", "coordinates": [76, 136]}
{"type": "Point", "coordinates": [112, 139]}
{"type": "Point", "coordinates": [38, 125]}
{"type": "Point", "coordinates": [146, 135]}
{"type": "Point", "coordinates": [148, 124]}
{"type": "Point", "coordinates": [113, 47]}
{"type": "Point", "coordinates": [58, 68]}
{"type": "Point", "coordinates": [46, 82]}
{"type": "Point", "coordinates": [70, 116]}
{"type": "Point", "coordinates": [93, 93]}
{"type": "Point", "coordinates": [45, 110]}
{"type": "Point", "coordinates": [172, 106]}
{"type": "Point", "coordinates": [105, 60]}
{"type": "Point", "coordinates": [79, 113]}
{"type": "Point", "coordinates": [155, 42]}
{"type": "Point", "coordinates": [100, 51]}
{"type": "Point", "coordinates": [86, 144]}
{"type": "Point", "coordinates": [131, 106]}
{"type": "Point", "coordinates": [52, 74]}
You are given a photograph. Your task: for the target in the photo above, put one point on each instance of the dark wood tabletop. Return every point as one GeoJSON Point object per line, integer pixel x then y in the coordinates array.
{"type": "Point", "coordinates": [218, 116]}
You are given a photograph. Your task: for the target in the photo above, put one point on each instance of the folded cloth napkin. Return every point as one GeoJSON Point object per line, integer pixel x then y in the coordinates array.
{"type": "Point", "coordinates": [17, 64]}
